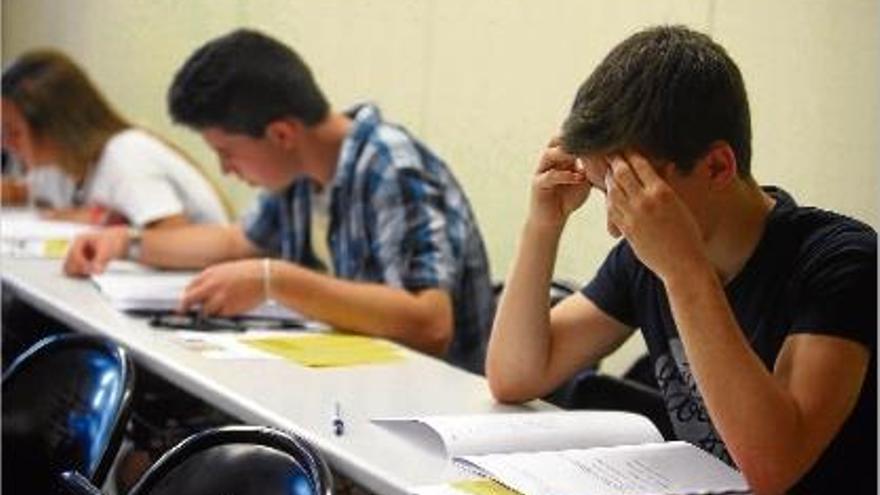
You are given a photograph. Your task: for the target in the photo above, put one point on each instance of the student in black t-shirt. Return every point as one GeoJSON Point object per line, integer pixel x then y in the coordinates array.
{"type": "Point", "coordinates": [760, 315]}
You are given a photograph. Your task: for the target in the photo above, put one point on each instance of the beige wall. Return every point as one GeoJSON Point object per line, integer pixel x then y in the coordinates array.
{"type": "Point", "coordinates": [486, 82]}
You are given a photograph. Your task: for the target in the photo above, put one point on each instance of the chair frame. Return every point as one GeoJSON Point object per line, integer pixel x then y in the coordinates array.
{"type": "Point", "coordinates": [302, 451]}
{"type": "Point", "coordinates": [61, 342]}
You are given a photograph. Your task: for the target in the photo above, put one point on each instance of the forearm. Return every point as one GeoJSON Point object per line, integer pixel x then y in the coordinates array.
{"type": "Point", "coordinates": [170, 222]}
{"type": "Point", "coordinates": [756, 417]}
{"type": "Point", "coordinates": [422, 321]}
{"type": "Point", "coordinates": [520, 343]}
{"type": "Point", "coordinates": [194, 246]}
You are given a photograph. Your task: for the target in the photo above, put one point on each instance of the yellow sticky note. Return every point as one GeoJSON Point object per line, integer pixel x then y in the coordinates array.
{"type": "Point", "coordinates": [483, 487]}
{"type": "Point", "coordinates": [327, 350]}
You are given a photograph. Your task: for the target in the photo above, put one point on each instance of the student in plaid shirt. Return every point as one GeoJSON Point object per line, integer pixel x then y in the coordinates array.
{"type": "Point", "coordinates": [361, 226]}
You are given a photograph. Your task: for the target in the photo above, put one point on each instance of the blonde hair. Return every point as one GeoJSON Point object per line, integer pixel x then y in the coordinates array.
{"type": "Point", "coordinates": [62, 106]}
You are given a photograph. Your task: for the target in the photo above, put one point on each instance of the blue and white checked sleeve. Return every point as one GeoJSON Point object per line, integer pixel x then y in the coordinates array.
{"type": "Point", "coordinates": [262, 223]}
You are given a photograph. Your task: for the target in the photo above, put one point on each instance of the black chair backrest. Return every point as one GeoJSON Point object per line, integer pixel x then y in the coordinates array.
{"type": "Point", "coordinates": [244, 460]}
{"type": "Point", "coordinates": [65, 404]}
{"type": "Point", "coordinates": [593, 390]}
{"type": "Point", "coordinates": [560, 289]}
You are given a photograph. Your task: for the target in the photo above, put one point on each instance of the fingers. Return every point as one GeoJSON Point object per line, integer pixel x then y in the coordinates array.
{"type": "Point", "coordinates": [102, 252]}
{"type": "Point", "coordinates": [205, 295]}
{"type": "Point", "coordinates": [553, 178]}
{"type": "Point", "coordinates": [616, 206]}
{"type": "Point", "coordinates": [77, 263]}
{"type": "Point", "coordinates": [195, 294]}
{"type": "Point", "coordinates": [634, 191]}
{"type": "Point", "coordinates": [215, 305]}
{"type": "Point", "coordinates": [622, 188]}
{"type": "Point", "coordinates": [643, 169]}
{"type": "Point", "coordinates": [622, 177]}
{"type": "Point", "coordinates": [612, 228]}
{"type": "Point", "coordinates": [91, 253]}
{"type": "Point", "coordinates": [555, 158]}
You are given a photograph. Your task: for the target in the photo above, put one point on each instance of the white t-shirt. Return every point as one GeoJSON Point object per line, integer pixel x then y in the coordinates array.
{"type": "Point", "coordinates": [320, 223]}
{"type": "Point", "coordinates": [48, 185]}
{"type": "Point", "coordinates": [142, 178]}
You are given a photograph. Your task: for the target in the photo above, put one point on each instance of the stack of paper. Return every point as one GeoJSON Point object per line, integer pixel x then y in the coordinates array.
{"type": "Point", "coordinates": [23, 234]}
{"type": "Point", "coordinates": [158, 291]}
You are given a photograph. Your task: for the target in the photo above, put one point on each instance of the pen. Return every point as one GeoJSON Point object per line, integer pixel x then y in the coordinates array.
{"type": "Point", "coordinates": [338, 424]}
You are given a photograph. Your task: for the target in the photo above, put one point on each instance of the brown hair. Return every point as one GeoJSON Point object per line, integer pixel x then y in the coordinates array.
{"type": "Point", "coordinates": [667, 91]}
{"type": "Point", "coordinates": [62, 106]}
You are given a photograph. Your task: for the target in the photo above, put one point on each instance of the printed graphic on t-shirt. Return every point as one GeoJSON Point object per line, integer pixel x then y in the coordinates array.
{"type": "Point", "coordinates": [685, 404]}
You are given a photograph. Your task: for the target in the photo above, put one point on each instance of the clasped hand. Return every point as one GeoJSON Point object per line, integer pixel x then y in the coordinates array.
{"type": "Point", "coordinates": [652, 216]}
{"type": "Point", "coordinates": [559, 187]}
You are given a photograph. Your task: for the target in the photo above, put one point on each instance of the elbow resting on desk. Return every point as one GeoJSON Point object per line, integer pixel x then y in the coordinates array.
{"type": "Point", "coordinates": [423, 321]}
{"type": "Point", "coordinates": [508, 389]}
{"type": "Point", "coordinates": [428, 325]}
{"type": "Point", "coordinates": [434, 338]}
{"type": "Point", "coordinates": [774, 477]}
{"type": "Point", "coordinates": [506, 395]}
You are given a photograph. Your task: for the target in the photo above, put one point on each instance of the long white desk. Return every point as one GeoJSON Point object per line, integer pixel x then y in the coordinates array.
{"type": "Point", "coordinates": [283, 394]}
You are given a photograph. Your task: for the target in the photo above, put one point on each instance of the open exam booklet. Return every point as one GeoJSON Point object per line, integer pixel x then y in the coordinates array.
{"type": "Point", "coordinates": [571, 453]}
{"type": "Point", "coordinates": [132, 287]}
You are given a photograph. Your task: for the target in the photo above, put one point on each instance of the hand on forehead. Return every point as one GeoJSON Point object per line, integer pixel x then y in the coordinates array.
{"type": "Point", "coordinates": [597, 165]}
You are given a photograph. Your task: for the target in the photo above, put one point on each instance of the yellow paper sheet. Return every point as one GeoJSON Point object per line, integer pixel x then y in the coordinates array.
{"type": "Point", "coordinates": [55, 248]}
{"type": "Point", "coordinates": [483, 487]}
{"type": "Point", "coordinates": [326, 350]}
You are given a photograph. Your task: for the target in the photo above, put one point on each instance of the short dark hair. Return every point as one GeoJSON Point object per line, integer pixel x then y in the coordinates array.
{"type": "Point", "coordinates": [668, 92]}
{"type": "Point", "coordinates": [242, 81]}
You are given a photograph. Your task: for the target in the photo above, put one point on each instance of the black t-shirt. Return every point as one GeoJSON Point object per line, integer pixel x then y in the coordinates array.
{"type": "Point", "coordinates": [813, 271]}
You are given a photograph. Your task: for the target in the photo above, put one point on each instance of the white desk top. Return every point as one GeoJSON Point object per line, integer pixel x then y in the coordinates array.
{"type": "Point", "coordinates": [283, 394]}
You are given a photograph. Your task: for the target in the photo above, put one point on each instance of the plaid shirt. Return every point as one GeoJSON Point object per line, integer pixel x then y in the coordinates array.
{"type": "Point", "coordinates": [397, 217]}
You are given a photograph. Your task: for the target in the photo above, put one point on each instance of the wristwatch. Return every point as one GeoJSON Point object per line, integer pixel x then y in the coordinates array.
{"type": "Point", "coordinates": [133, 252]}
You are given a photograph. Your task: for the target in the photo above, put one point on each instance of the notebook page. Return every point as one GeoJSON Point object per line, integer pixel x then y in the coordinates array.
{"type": "Point", "coordinates": [648, 469]}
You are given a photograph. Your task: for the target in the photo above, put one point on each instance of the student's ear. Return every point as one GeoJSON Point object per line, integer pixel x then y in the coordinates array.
{"type": "Point", "coordinates": [719, 165]}
{"type": "Point", "coordinates": [284, 133]}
